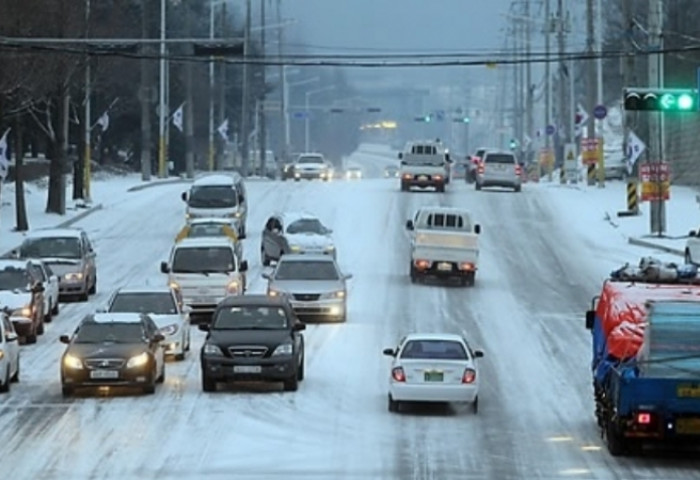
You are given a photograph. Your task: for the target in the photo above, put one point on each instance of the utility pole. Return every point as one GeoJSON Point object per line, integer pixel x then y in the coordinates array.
{"type": "Point", "coordinates": [212, 92]}
{"type": "Point", "coordinates": [529, 120]}
{"type": "Point", "coordinates": [188, 109]}
{"type": "Point", "coordinates": [283, 90]}
{"type": "Point", "coordinates": [88, 105]}
{"type": "Point", "coordinates": [656, 80]}
{"type": "Point", "coordinates": [245, 150]}
{"type": "Point", "coordinates": [161, 100]}
{"type": "Point", "coordinates": [627, 69]}
{"type": "Point", "coordinates": [222, 91]}
{"type": "Point", "coordinates": [564, 115]}
{"type": "Point", "coordinates": [262, 127]}
{"type": "Point", "coordinates": [517, 101]}
{"type": "Point", "coordinates": [145, 96]}
{"type": "Point", "coordinates": [591, 99]}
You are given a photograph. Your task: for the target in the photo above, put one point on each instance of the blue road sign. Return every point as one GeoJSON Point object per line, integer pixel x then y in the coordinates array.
{"type": "Point", "coordinates": [300, 114]}
{"type": "Point", "coordinates": [600, 112]}
{"type": "Point", "coordinates": [550, 130]}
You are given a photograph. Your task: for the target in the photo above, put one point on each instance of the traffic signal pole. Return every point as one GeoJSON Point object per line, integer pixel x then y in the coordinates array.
{"type": "Point", "coordinates": [656, 80]}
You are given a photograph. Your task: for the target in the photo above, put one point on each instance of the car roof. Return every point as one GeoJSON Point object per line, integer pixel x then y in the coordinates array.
{"type": "Point", "coordinates": [303, 257]}
{"type": "Point", "coordinates": [145, 289]}
{"type": "Point", "coordinates": [221, 220]}
{"type": "Point", "coordinates": [499, 152]}
{"type": "Point", "coordinates": [116, 317]}
{"type": "Point", "coordinates": [55, 233]}
{"type": "Point", "coordinates": [192, 242]}
{"type": "Point", "coordinates": [440, 209]}
{"type": "Point", "coordinates": [435, 336]}
{"type": "Point", "coordinates": [254, 300]}
{"type": "Point", "coordinates": [217, 180]}
{"type": "Point", "coordinates": [290, 217]}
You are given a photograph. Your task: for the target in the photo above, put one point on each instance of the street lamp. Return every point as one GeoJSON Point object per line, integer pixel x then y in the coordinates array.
{"type": "Point", "coordinates": [285, 104]}
{"type": "Point", "coordinates": [161, 95]}
{"type": "Point", "coordinates": [306, 118]}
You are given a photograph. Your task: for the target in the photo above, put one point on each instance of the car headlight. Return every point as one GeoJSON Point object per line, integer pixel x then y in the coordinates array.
{"type": "Point", "coordinates": [73, 362]}
{"type": "Point", "coordinates": [174, 285]}
{"type": "Point", "coordinates": [2, 354]}
{"type": "Point", "coordinates": [336, 294]}
{"type": "Point", "coordinates": [137, 361]}
{"type": "Point", "coordinates": [233, 286]}
{"type": "Point", "coordinates": [284, 349]}
{"type": "Point", "coordinates": [211, 349]}
{"type": "Point", "coordinates": [295, 248]}
{"type": "Point", "coordinates": [274, 293]}
{"type": "Point", "coordinates": [23, 312]}
{"type": "Point", "coordinates": [169, 329]}
{"type": "Point", "coordinates": [330, 248]}
{"type": "Point", "coordinates": [74, 276]}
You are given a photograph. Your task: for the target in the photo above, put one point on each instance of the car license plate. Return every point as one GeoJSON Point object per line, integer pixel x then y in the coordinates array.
{"type": "Point", "coordinates": [104, 374]}
{"type": "Point", "coordinates": [433, 376]}
{"type": "Point", "coordinates": [688, 426]}
{"type": "Point", "coordinates": [423, 177]}
{"type": "Point", "coordinates": [247, 369]}
{"type": "Point", "coordinates": [444, 266]}
{"type": "Point", "coordinates": [687, 390]}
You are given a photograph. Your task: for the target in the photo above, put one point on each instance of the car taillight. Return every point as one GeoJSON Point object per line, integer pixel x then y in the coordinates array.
{"type": "Point", "coordinates": [398, 375]}
{"type": "Point", "coordinates": [480, 168]}
{"type": "Point", "coordinates": [422, 264]}
{"type": "Point", "coordinates": [518, 170]}
{"type": "Point", "coordinates": [644, 418]}
{"type": "Point", "coordinates": [438, 177]}
{"type": "Point", "coordinates": [466, 266]}
{"type": "Point", "coordinates": [469, 375]}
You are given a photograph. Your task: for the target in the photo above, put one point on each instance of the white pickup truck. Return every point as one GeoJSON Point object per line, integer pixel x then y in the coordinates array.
{"type": "Point", "coordinates": [424, 164]}
{"type": "Point", "coordinates": [444, 244]}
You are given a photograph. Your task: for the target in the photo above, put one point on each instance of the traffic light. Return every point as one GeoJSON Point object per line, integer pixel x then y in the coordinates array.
{"type": "Point", "coordinates": [425, 119]}
{"type": "Point", "coordinates": [513, 144]}
{"type": "Point", "coordinates": [374, 110]}
{"type": "Point", "coordinates": [661, 99]}
{"type": "Point", "coordinates": [461, 120]}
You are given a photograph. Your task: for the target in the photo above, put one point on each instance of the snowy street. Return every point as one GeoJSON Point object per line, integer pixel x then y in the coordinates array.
{"type": "Point", "coordinates": [536, 278]}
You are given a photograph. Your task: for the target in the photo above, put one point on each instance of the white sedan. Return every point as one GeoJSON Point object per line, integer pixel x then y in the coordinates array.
{"type": "Point", "coordinates": [433, 367]}
{"type": "Point", "coordinates": [9, 353]}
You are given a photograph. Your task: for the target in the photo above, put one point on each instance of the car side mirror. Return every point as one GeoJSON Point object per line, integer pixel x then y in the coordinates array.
{"type": "Point", "coordinates": [409, 225]}
{"type": "Point", "coordinates": [298, 327]}
{"type": "Point", "coordinates": [205, 327]}
{"type": "Point", "coordinates": [164, 267]}
{"type": "Point", "coordinates": [265, 275]}
{"type": "Point", "coordinates": [241, 199]}
{"type": "Point", "coordinates": [183, 196]}
{"type": "Point", "coordinates": [403, 163]}
{"type": "Point", "coordinates": [477, 229]}
{"type": "Point", "coordinates": [400, 155]}
{"type": "Point", "coordinates": [158, 337]}
{"type": "Point", "coordinates": [590, 319]}
{"type": "Point", "coordinates": [347, 276]}
{"type": "Point", "coordinates": [692, 233]}
{"type": "Point", "coordinates": [11, 337]}
{"type": "Point", "coordinates": [64, 339]}
{"type": "Point", "coordinates": [243, 267]}
{"type": "Point", "coordinates": [478, 354]}
{"type": "Point", "coordinates": [241, 236]}
{"type": "Point", "coordinates": [14, 254]}
{"type": "Point", "coordinates": [389, 352]}
{"type": "Point", "coordinates": [447, 158]}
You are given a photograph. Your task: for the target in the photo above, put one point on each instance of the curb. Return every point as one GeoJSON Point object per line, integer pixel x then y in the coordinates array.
{"type": "Point", "coordinates": [656, 246]}
{"type": "Point", "coordinates": [151, 184]}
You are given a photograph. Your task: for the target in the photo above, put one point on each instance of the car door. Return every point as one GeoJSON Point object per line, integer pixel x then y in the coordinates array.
{"type": "Point", "coordinates": [11, 344]}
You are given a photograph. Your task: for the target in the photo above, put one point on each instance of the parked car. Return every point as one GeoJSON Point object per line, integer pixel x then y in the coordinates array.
{"type": "Point", "coordinates": [499, 169]}
{"type": "Point", "coordinates": [49, 281]}
{"type": "Point", "coordinates": [166, 308]}
{"type": "Point", "coordinates": [113, 349]}
{"type": "Point", "coordinates": [295, 232]}
{"type": "Point", "coordinates": [315, 285]}
{"type": "Point", "coordinates": [22, 295]}
{"type": "Point", "coordinates": [254, 337]}
{"type": "Point", "coordinates": [69, 253]}
{"type": "Point", "coordinates": [9, 353]}
{"type": "Point", "coordinates": [433, 367]}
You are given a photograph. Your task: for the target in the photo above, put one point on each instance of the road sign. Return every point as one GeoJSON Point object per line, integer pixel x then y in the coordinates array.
{"type": "Point", "coordinates": [300, 114]}
{"type": "Point", "coordinates": [570, 164]}
{"type": "Point", "coordinates": [656, 181]}
{"type": "Point", "coordinates": [589, 151]}
{"type": "Point", "coordinates": [550, 130]}
{"type": "Point", "coordinates": [272, 106]}
{"type": "Point", "coordinates": [635, 148]}
{"type": "Point", "coordinates": [600, 112]}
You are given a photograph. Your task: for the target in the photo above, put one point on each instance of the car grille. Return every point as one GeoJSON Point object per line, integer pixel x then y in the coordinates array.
{"type": "Point", "coordinates": [247, 351]}
{"type": "Point", "coordinates": [107, 363]}
{"type": "Point", "coordinates": [307, 297]}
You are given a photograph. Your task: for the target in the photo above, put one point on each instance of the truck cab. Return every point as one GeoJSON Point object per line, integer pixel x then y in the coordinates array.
{"type": "Point", "coordinates": [424, 164]}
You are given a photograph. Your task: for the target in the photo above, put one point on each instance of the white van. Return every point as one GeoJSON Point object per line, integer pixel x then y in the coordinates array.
{"type": "Point", "coordinates": [221, 196]}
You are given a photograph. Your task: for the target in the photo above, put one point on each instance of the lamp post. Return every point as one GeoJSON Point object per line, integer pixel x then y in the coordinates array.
{"type": "Point", "coordinates": [161, 99]}
{"type": "Point", "coordinates": [307, 133]}
{"type": "Point", "coordinates": [88, 147]}
{"type": "Point", "coordinates": [210, 157]}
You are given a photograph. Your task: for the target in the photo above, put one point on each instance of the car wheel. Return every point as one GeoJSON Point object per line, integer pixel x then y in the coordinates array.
{"type": "Point", "coordinates": [477, 185]}
{"type": "Point", "coordinates": [517, 188]}
{"type": "Point", "coordinates": [688, 260]}
{"type": "Point", "coordinates": [180, 356]}
{"type": "Point", "coordinates": [40, 327]}
{"type": "Point", "coordinates": [440, 188]}
{"type": "Point", "coordinates": [413, 273]}
{"type": "Point", "coordinates": [67, 391]}
{"type": "Point", "coordinates": [475, 405]}
{"type": "Point", "coordinates": [83, 297]}
{"type": "Point", "coordinates": [29, 339]}
{"type": "Point", "coordinates": [5, 387]}
{"type": "Point", "coordinates": [55, 309]}
{"type": "Point", "coordinates": [15, 377]}
{"type": "Point", "coordinates": [49, 315]}
{"type": "Point", "coordinates": [188, 345]}
{"type": "Point", "coordinates": [291, 384]}
{"type": "Point", "coordinates": [393, 405]}
{"type": "Point", "coordinates": [150, 389]}
{"type": "Point", "coordinates": [208, 385]}
{"type": "Point", "coordinates": [161, 377]}
{"type": "Point", "coordinates": [300, 370]}
{"type": "Point", "coordinates": [93, 286]}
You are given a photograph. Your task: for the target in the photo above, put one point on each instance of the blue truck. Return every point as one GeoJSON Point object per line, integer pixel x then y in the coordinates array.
{"type": "Point", "coordinates": [646, 364]}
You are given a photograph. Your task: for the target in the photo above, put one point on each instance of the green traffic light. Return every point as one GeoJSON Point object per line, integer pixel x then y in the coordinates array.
{"type": "Point", "coordinates": [676, 101]}
{"type": "Point", "coordinates": [685, 101]}
{"type": "Point", "coordinates": [465, 120]}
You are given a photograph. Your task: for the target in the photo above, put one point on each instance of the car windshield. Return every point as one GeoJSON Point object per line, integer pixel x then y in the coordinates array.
{"type": "Point", "coordinates": [56, 247]}
{"type": "Point", "coordinates": [212, 196]}
{"type": "Point", "coordinates": [14, 279]}
{"type": "Point", "coordinates": [250, 318]}
{"type": "Point", "coordinates": [158, 303]}
{"type": "Point", "coordinates": [500, 158]}
{"type": "Point", "coordinates": [310, 159]}
{"type": "Point", "coordinates": [306, 270]}
{"type": "Point", "coordinates": [306, 225]}
{"type": "Point", "coordinates": [110, 332]}
{"type": "Point", "coordinates": [203, 259]}
{"type": "Point", "coordinates": [433, 349]}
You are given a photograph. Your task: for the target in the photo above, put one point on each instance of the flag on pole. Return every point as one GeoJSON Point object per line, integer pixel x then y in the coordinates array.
{"type": "Point", "coordinates": [223, 130]}
{"type": "Point", "coordinates": [178, 117]}
{"type": "Point", "coordinates": [103, 121]}
{"type": "Point", "coordinates": [4, 160]}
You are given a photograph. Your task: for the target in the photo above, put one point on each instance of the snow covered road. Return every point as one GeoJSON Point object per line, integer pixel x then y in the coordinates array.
{"type": "Point", "coordinates": [526, 312]}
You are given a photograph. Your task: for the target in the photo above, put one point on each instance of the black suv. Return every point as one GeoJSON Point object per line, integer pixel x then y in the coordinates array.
{"type": "Point", "coordinates": [253, 337]}
{"type": "Point", "coordinates": [113, 349]}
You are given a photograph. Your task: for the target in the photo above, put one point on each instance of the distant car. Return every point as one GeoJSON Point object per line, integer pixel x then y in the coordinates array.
{"type": "Point", "coordinates": [473, 163]}
{"type": "Point", "coordinates": [311, 165]}
{"type": "Point", "coordinates": [211, 227]}
{"type": "Point", "coordinates": [295, 232]}
{"type": "Point", "coordinates": [499, 169]}
{"type": "Point", "coordinates": [113, 349]}
{"type": "Point", "coordinates": [49, 281]}
{"type": "Point", "coordinates": [353, 173]}
{"type": "Point", "coordinates": [9, 353]}
{"type": "Point", "coordinates": [22, 295]}
{"type": "Point", "coordinates": [69, 253]}
{"type": "Point", "coordinates": [166, 308]}
{"type": "Point", "coordinates": [314, 284]}
{"type": "Point", "coordinates": [433, 367]}
{"type": "Point", "coordinates": [254, 337]}
{"type": "Point", "coordinates": [391, 171]}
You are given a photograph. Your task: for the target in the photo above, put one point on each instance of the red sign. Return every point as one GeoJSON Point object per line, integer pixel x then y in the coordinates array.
{"type": "Point", "coordinates": [656, 181]}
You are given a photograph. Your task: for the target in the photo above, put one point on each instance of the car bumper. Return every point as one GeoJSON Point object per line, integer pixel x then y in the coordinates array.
{"type": "Point", "coordinates": [422, 182]}
{"type": "Point", "coordinates": [454, 270]}
{"type": "Point", "coordinates": [125, 377]}
{"type": "Point", "coordinates": [226, 369]}
{"type": "Point", "coordinates": [72, 288]}
{"type": "Point", "coordinates": [312, 175]}
{"type": "Point", "coordinates": [432, 393]}
{"type": "Point", "coordinates": [512, 182]}
{"type": "Point", "coordinates": [331, 309]}
{"type": "Point", "coordinates": [23, 326]}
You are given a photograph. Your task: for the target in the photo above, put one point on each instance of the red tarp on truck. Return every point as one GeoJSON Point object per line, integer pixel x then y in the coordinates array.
{"type": "Point", "coordinates": [622, 312]}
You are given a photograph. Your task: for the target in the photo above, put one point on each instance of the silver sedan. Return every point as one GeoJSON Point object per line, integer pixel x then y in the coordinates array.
{"type": "Point", "coordinates": [314, 284]}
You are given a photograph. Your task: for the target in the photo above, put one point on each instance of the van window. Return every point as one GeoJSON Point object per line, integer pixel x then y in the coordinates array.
{"type": "Point", "coordinates": [445, 220]}
{"type": "Point", "coordinates": [213, 196]}
{"type": "Point", "coordinates": [500, 158]}
{"type": "Point", "coordinates": [203, 259]}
